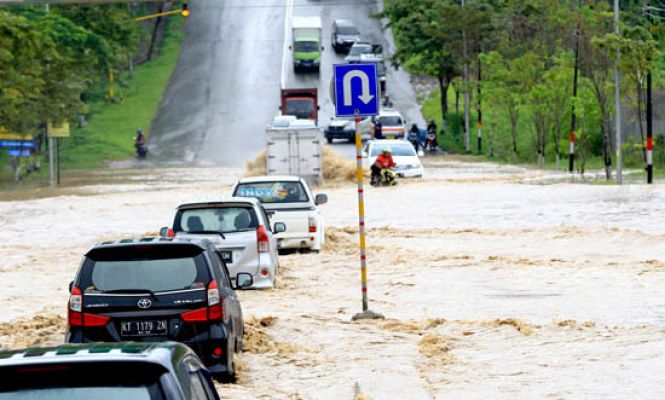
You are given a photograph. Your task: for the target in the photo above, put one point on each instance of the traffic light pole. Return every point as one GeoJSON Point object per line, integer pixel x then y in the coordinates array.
{"type": "Point", "coordinates": [649, 131]}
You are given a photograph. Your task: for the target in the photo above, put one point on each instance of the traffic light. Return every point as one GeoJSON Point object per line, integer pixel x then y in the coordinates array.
{"type": "Point", "coordinates": [185, 10]}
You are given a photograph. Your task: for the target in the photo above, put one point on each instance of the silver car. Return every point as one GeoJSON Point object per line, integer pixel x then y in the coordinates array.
{"type": "Point", "coordinates": [240, 230]}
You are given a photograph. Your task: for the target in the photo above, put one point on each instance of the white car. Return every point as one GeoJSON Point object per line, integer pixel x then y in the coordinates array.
{"type": "Point", "coordinates": [407, 163]}
{"type": "Point", "coordinates": [392, 124]}
{"type": "Point", "coordinates": [290, 201]}
{"type": "Point", "coordinates": [240, 230]}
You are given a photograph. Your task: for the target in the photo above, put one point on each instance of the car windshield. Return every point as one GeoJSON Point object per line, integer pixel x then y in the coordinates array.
{"type": "Point", "coordinates": [299, 108]}
{"type": "Point", "coordinates": [87, 393]}
{"type": "Point", "coordinates": [306, 46]}
{"type": "Point", "coordinates": [144, 267]}
{"type": "Point", "coordinates": [391, 120]}
{"type": "Point", "coordinates": [273, 192]}
{"type": "Point", "coordinates": [347, 30]}
{"type": "Point", "coordinates": [217, 219]}
{"type": "Point", "coordinates": [397, 150]}
{"type": "Point", "coordinates": [358, 49]}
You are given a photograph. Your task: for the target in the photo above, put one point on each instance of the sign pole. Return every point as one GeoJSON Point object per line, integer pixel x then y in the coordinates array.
{"type": "Point", "coordinates": [361, 217]}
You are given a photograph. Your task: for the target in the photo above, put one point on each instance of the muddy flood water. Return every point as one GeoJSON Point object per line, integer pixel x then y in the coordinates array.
{"type": "Point", "coordinates": [496, 282]}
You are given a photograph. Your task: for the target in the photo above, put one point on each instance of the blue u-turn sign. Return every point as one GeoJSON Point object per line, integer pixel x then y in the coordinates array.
{"type": "Point", "coordinates": [356, 90]}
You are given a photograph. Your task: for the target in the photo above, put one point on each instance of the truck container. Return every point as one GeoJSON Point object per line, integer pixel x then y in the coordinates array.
{"type": "Point", "coordinates": [301, 103]}
{"type": "Point", "coordinates": [295, 151]}
{"type": "Point", "coordinates": [307, 48]}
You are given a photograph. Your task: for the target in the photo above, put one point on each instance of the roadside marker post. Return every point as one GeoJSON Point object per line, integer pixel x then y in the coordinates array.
{"type": "Point", "coordinates": [356, 93]}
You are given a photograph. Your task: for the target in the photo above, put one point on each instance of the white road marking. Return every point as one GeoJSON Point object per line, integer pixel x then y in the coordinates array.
{"type": "Point", "coordinates": [288, 15]}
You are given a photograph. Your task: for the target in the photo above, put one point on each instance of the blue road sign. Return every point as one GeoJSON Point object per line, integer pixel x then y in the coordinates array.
{"type": "Point", "coordinates": [356, 90]}
{"type": "Point", "coordinates": [18, 153]}
{"type": "Point", "coordinates": [17, 143]}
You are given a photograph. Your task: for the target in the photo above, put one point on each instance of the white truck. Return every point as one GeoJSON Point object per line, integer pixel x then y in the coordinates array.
{"type": "Point", "coordinates": [289, 201]}
{"type": "Point", "coordinates": [294, 148]}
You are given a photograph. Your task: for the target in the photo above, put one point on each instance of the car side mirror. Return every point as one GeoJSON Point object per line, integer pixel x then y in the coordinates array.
{"type": "Point", "coordinates": [71, 286]}
{"type": "Point", "coordinates": [322, 48]}
{"type": "Point", "coordinates": [244, 280]}
{"type": "Point", "coordinates": [163, 231]}
{"type": "Point", "coordinates": [280, 227]}
{"type": "Point", "coordinates": [290, 47]}
{"type": "Point", "coordinates": [321, 198]}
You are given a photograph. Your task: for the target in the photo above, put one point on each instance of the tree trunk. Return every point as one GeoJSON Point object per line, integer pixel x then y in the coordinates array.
{"type": "Point", "coordinates": [513, 131]}
{"type": "Point", "coordinates": [607, 145]}
{"type": "Point", "coordinates": [443, 87]}
{"type": "Point", "coordinates": [456, 101]}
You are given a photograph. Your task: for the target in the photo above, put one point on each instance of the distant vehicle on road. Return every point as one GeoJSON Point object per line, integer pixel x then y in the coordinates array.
{"type": "Point", "coordinates": [392, 123]}
{"type": "Point", "coordinates": [307, 48]}
{"type": "Point", "coordinates": [380, 68]}
{"type": "Point", "coordinates": [295, 150]}
{"type": "Point", "coordinates": [359, 48]}
{"type": "Point", "coordinates": [300, 103]}
{"type": "Point", "coordinates": [407, 163]}
{"type": "Point", "coordinates": [118, 371]}
{"type": "Point", "coordinates": [240, 230]}
{"type": "Point", "coordinates": [345, 128]}
{"type": "Point", "coordinates": [344, 35]}
{"type": "Point", "coordinates": [291, 201]}
{"type": "Point", "coordinates": [159, 289]}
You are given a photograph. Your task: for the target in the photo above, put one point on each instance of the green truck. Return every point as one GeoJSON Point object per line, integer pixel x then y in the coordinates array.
{"type": "Point", "coordinates": [307, 48]}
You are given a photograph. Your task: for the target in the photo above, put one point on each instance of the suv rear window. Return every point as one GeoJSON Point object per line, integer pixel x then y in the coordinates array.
{"type": "Point", "coordinates": [154, 268]}
{"type": "Point", "coordinates": [273, 192]}
{"type": "Point", "coordinates": [391, 120]}
{"type": "Point", "coordinates": [218, 219]}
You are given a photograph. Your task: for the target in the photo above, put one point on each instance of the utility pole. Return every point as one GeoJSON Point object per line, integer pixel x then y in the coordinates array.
{"type": "Point", "coordinates": [467, 141]}
{"type": "Point", "coordinates": [617, 99]}
{"type": "Point", "coordinates": [571, 147]}
{"type": "Point", "coordinates": [649, 125]}
{"type": "Point", "coordinates": [479, 122]}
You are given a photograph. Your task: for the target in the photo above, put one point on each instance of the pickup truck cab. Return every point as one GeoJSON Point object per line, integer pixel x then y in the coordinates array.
{"type": "Point", "coordinates": [290, 202]}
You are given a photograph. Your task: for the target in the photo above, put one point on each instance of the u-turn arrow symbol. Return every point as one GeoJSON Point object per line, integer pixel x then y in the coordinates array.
{"type": "Point", "coordinates": [365, 96]}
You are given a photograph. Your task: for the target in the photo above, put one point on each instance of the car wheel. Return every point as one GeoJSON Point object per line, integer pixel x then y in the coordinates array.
{"type": "Point", "coordinates": [329, 140]}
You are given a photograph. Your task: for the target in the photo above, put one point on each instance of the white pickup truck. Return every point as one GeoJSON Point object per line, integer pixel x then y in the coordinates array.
{"type": "Point", "coordinates": [288, 200]}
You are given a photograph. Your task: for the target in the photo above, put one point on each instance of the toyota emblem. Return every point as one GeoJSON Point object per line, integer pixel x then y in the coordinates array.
{"type": "Point", "coordinates": [144, 303]}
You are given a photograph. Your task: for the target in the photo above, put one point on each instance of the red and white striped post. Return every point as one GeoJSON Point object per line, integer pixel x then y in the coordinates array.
{"type": "Point", "coordinates": [649, 131]}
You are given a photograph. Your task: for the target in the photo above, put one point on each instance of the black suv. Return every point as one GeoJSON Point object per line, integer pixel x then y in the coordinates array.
{"type": "Point", "coordinates": [151, 290]}
{"type": "Point", "coordinates": [344, 34]}
{"type": "Point", "coordinates": [119, 371]}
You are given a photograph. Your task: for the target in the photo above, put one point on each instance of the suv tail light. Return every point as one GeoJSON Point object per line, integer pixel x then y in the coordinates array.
{"type": "Point", "coordinates": [262, 241]}
{"type": "Point", "coordinates": [214, 311]}
{"type": "Point", "coordinates": [312, 224]}
{"type": "Point", "coordinates": [76, 317]}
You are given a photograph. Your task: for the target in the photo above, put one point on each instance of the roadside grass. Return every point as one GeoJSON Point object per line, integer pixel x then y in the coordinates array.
{"type": "Point", "coordinates": [112, 126]}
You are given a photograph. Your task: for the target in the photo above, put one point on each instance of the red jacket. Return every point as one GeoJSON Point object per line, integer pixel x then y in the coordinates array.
{"type": "Point", "coordinates": [384, 161]}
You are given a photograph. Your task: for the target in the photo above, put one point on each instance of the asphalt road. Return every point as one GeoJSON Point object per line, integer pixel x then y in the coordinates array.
{"type": "Point", "coordinates": [234, 59]}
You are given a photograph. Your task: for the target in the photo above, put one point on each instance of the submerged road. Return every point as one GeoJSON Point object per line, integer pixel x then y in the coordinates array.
{"type": "Point", "coordinates": [235, 57]}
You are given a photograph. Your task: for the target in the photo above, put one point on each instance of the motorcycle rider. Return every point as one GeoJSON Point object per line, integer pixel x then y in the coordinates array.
{"type": "Point", "coordinates": [413, 136]}
{"type": "Point", "coordinates": [431, 143]}
{"type": "Point", "coordinates": [139, 143]}
{"type": "Point", "coordinates": [383, 161]}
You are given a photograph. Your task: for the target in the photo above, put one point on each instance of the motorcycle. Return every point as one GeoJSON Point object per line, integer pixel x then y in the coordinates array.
{"type": "Point", "coordinates": [386, 177]}
{"type": "Point", "coordinates": [141, 149]}
{"type": "Point", "coordinates": [430, 142]}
